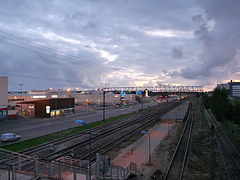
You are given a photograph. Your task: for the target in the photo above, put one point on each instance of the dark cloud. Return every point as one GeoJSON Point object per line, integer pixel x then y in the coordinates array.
{"type": "Point", "coordinates": [177, 53]}
{"type": "Point", "coordinates": [218, 30]}
{"type": "Point", "coordinates": [99, 41]}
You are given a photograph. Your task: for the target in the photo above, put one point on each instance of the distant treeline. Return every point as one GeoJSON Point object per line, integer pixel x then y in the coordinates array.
{"type": "Point", "coordinates": [223, 107]}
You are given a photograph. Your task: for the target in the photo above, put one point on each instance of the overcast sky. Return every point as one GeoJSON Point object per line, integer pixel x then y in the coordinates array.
{"type": "Point", "coordinates": [91, 43]}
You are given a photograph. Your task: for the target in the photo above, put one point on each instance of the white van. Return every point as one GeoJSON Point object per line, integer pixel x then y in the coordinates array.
{"type": "Point", "coordinates": [6, 137]}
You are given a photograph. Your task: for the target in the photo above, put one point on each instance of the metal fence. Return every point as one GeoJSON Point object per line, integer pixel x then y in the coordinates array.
{"type": "Point", "coordinates": [15, 166]}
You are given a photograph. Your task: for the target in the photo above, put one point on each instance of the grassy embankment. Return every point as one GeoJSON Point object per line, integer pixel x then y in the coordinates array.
{"type": "Point", "coordinates": [232, 130]}
{"type": "Point", "coordinates": [199, 161]}
{"type": "Point", "coordinates": [22, 145]}
{"type": "Point", "coordinates": [33, 142]}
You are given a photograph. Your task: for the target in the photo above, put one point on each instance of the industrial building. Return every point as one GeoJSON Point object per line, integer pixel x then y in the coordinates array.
{"type": "Point", "coordinates": [87, 100]}
{"type": "Point", "coordinates": [81, 97]}
{"type": "Point", "coordinates": [3, 97]}
{"type": "Point", "coordinates": [48, 107]}
{"type": "Point", "coordinates": [235, 90]}
{"type": "Point", "coordinates": [232, 87]}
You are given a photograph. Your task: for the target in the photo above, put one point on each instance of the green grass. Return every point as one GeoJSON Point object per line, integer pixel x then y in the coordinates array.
{"type": "Point", "coordinates": [22, 145]}
{"type": "Point", "coordinates": [232, 130]}
{"type": "Point", "coordinates": [198, 100]}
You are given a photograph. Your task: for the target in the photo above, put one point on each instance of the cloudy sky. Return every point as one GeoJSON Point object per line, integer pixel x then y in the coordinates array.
{"type": "Point", "coordinates": [91, 43]}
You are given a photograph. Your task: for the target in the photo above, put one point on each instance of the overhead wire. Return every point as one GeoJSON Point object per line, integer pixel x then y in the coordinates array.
{"type": "Point", "coordinates": [44, 49]}
{"type": "Point", "coordinates": [46, 52]}
{"type": "Point", "coordinates": [38, 77]}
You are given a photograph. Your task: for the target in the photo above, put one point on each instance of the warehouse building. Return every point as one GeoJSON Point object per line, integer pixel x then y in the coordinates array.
{"type": "Point", "coordinates": [48, 107]}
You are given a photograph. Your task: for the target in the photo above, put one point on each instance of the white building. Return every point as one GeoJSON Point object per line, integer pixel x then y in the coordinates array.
{"type": "Point", "coordinates": [223, 86]}
{"type": "Point", "coordinates": [232, 87]}
{"type": "Point", "coordinates": [235, 89]}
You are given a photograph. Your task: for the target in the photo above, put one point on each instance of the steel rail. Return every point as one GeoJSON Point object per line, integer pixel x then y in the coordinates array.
{"type": "Point", "coordinates": [187, 148]}
{"type": "Point", "coordinates": [161, 111]}
{"type": "Point", "coordinates": [181, 144]}
{"type": "Point", "coordinates": [109, 132]}
{"type": "Point", "coordinates": [81, 134]}
{"type": "Point", "coordinates": [229, 154]}
{"type": "Point", "coordinates": [114, 142]}
{"type": "Point", "coordinates": [148, 115]}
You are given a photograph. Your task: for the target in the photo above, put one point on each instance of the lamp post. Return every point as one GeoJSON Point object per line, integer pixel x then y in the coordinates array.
{"type": "Point", "coordinates": [164, 117]}
{"type": "Point", "coordinates": [131, 97]}
{"type": "Point", "coordinates": [21, 96]}
{"type": "Point", "coordinates": [90, 145]}
{"type": "Point", "coordinates": [149, 145]}
{"type": "Point", "coordinates": [202, 110]}
{"type": "Point", "coordinates": [104, 101]}
{"type": "Point", "coordinates": [87, 104]}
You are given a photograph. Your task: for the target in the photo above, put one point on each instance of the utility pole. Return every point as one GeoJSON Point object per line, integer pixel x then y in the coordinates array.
{"type": "Point", "coordinates": [202, 111]}
{"type": "Point", "coordinates": [21, 96]}
{"type": "Point", "coordinates": [212, 165]}
{"type": "Point", "coordinates": [104, 104]}
{"type": "Point", "coordinates": [149, 148]}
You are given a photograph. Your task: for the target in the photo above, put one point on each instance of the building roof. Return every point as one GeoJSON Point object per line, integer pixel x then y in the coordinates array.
{"type": "Point", "coordinates": [42, 100]}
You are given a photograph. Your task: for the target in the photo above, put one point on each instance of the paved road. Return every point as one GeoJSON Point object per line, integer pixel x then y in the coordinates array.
{"type": "Point", "coordinates": [29, 128]}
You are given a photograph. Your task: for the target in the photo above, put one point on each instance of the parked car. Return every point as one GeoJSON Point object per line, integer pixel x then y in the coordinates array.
{"type": "Point", "coordinates": [6, 137]}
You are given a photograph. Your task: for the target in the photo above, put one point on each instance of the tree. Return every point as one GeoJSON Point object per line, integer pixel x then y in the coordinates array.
{"type": "Point", "coordinates": [235, 113]}
{"type": "Point", "coordinates": [220, 104]}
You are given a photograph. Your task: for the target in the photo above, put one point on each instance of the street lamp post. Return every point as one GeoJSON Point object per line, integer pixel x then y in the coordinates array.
{"type": "Point", "coordinates": [104, 101]}
{"type": "Point", "coordinates": [149, 145]}
{"type": "Point", "coordinates": [90, 145]}
{"type": "Point", "coordinates": [167, 125]}
{"type": "Point", "coordinates": [21, 96]}
{"type": "Point", "coordinates": [87, 104]}
{"type": "Point", "coordinates": [202, 111]}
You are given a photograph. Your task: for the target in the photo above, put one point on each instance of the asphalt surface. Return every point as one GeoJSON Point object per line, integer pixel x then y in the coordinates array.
{"type": "Point", "coordinates": [34, 127]}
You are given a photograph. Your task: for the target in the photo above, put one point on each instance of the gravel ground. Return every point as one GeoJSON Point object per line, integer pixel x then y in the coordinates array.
{"type": "Point", "coordinates": [198, 167]}
{"type": "Point", "coordinates": [162, 155]}
{"type": "Point", "coordinates": [198, 164]}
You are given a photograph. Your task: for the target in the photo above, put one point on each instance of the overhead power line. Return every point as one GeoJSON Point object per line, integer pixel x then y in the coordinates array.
{"type": "Point", "coordinates": [46, 50]}
{"type": "Point", "coordinates": [38, 77]}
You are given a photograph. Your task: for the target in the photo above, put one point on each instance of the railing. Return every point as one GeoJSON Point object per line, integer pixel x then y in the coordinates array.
{"type": "Point", "coordinates": [15, 166]}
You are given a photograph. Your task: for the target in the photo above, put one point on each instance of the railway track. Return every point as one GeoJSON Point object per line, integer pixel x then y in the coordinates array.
{"type": "Point", "coordinates": [177, 164]}
{"type": "Point", "coordinates": [229, 154]}
{"type": "Point", "coordinates": [105, 139]}
{"type": "Point", "coordinates": [50, 145]}
{"type": "Point", "coordinates": [110, 137]}
{"type": "Point", "coordinates": [67, 146]}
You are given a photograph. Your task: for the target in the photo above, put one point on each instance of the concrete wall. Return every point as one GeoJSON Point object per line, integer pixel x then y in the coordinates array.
{"type": "Point", "coordinates": [3, 91]}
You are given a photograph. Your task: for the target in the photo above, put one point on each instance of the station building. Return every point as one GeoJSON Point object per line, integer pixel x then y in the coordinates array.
{"type": "Point", "coordinates": [3, 97]}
